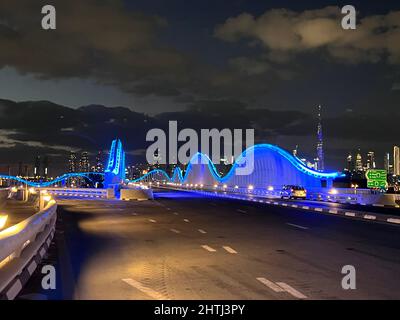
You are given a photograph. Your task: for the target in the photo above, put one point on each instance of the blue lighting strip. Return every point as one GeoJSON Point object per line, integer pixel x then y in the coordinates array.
{"type": "Point", "coordinates": [195, 160]}
{"type": "Point", "coordinates": [118, 158]}
{"type": "Point", "coordinates": [49, 183]}
{"type": "Point", "coordinates": [111, 157]}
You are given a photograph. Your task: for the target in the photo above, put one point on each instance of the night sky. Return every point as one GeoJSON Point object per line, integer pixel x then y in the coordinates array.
{"type": "Point", "coordinates": [124, 67]}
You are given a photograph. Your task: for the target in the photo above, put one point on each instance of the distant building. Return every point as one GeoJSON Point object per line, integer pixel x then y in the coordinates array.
{"type": "Point", "coordinates": [371, 164]}
{"type": "Point", "coordinates": [396, 161]}
{"type": "Point", "coordinates": [45, 166]}
{"type": "Point", "coordinates": [36, 169]}
{"type": "Point", "coordinates": [295, 151]}
{"type": "Point", "coordinates": [319, 161]}
{"type": "Point", "coordinates": [72, 162]}
{"type": "Point", "coordinates": [84, 163]}
{"type": "Point", "coordinates": [350, 163]}
{"type": "Point", "coordinates": [359, 164]}
{"type": "Point", "coordinates": [387, 165]}
{"type": "Point", "coordinates": [99, 166]}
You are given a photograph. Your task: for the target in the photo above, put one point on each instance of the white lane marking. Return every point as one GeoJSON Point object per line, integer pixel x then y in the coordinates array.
{"type": "Point", "coordinates": [378, 205]}
{"type": "Point", "coordinates": [202, 231]}
{"type": "Point", "coordinates": [175, 231]}
{"type": "Point", "coordinates": [276, 203]}
{"type": "Point", "coordinates": [294, 205]}
{"type": "Point", "coordinates": [186, 220]}
{"type": "Point", "coordinates": [150, 292]}
{"type": "Point", "coordinates": [333, 211]}
{"type": "Point", "coordinates": [208, 248]}
{"type": "Point", "coordinates": [241, 211]}
{"type": "Point", "coordinates": [291, 290]}
{"type": "Point", "coordinates": [369, 217]}
{"type": "Point", "coordinates": [350, 214]}
{"type": "Point", "coordinates": [152, 220]}
{"type": "Point", "coordinates": [284, 204]}
{"type": "Point", "coordinates": [134, 214]}
{"type": "Point", "coordinates": [306, 207]}
{"type": "Point", "coordinates": [168, 209]}
{"type": "Point", "coordinates": [393, 220]}
{"type": "Point", "coordinates": [229, 249]}
{"type": "Point", "coordinates": [270, 285]}
{"type": "Point", "coordinates": [318, 209]}
{"type": "Point", "coordinates": [297, 226]}
{"type": "Point", "coordinates": [176, 213]}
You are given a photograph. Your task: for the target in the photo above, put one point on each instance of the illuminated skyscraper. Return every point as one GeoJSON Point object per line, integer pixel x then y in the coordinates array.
{"type": "Point", "coordinates": [350, 163]}
{"type": "Point", "coordinates": [396, 161]}
{"type": "Point", "coordinates": [45, 166]}
{"type": "Point", "coordinates": [387, 164]}
{"type": "Point", "coordinates": [36, 169]}
{"type": "Point", "coordinates": [320, 150]}
{"type": "Point", "coordinates": [99, 167]}
{"type": "Point", "coordinates": [84, 164]}
{"type": "Point", "coordinates": [371, 160]}
{"type": "Point", "coordinates": [359, 163]}
{"type": "Point", "coordinates": [72, 165]}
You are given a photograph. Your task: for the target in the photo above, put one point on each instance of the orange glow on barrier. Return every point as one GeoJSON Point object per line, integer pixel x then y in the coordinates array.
{"type": "Point", "coordinates": [47, 198]}
{"type": "Point", "coordinates": [3, 220]}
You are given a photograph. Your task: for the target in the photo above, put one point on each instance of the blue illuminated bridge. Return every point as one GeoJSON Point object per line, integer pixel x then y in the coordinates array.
{"type": "Point", "coordinates": [268, 165]}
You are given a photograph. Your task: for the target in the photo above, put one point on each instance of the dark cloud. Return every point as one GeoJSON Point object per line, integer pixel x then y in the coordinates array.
{"type": "Point", "coordinates": [283, 32]}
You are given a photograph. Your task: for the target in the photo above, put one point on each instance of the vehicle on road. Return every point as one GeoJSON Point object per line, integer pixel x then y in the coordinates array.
{"type": "Point", "coordinates": [293, 192]}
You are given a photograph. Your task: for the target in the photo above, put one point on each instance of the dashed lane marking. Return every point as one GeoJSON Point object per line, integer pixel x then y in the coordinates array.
{"type": "Point", "coordinates": [186, 220]}
{"type": "Point", "coordinates": [202, 231]}
{"type": "Point", "coordinates": [229, 249]}
{"type": "Point", "coordinates": [152, 220]}
{"type": "Point", "coordinates": [150, 292]}
{"type": "Point", "coordinates": [175, 231]}
{"type": "Point", "coordinates": [270, 285]}
{"type": "Point", "coordinates": [369, 217]}
{"type": "Point", "coordinates": [241, 211]}
{"type": "Point", "coordinates": [208, 248]}
{"type": "Point", "coordinates": [297, 226]}
{"type": "Point", "coordinates": [295, 293]}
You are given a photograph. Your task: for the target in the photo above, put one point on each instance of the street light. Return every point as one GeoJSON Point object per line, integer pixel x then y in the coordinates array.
{"type": "Point", "coordinates": [355, 186]}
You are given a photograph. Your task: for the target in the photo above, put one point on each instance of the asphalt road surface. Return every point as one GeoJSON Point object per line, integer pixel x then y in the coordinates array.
{"type": "Point", "coordinates": [183, 246]}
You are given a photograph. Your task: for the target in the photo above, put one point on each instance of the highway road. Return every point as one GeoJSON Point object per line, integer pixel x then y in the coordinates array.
{"type": "Point", "coordinates": [184, 246]}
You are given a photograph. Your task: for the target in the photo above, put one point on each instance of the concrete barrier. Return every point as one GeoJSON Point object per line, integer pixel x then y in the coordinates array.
{"type": "Point", "coordinates": [136, 194]}
{"type": "Point", "coordinates": [20, 244]}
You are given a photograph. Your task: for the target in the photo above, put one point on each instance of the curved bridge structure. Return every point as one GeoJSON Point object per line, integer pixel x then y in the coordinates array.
{"type": "Point", "coordinates": [64, 177]}
{"type": "Point", "coordinates": [271, 166]}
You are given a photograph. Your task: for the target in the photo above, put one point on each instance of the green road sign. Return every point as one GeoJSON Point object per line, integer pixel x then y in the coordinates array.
{"type": "Point", "coordinates": [376, 178]}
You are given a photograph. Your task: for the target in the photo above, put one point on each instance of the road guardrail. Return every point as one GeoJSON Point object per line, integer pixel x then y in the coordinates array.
{"type": "Point", "coordinates": [21, 248]}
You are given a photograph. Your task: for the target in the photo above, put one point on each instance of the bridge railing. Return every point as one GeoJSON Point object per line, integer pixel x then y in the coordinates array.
{"type": "Point", "coordinates": [20, 244]}
{"type": "Point", "coordinates": [79, 192]}
{"type": "Point", "coordinates": [341, 195]}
